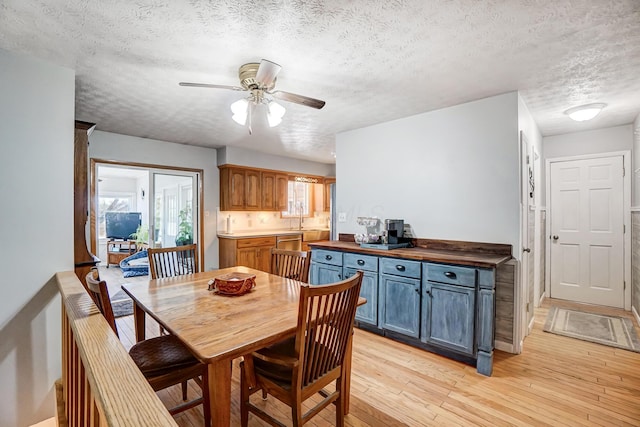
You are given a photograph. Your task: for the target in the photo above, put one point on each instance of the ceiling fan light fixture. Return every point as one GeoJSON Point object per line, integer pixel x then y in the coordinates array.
{"type": "Point", "coordinates": [275, 113]}
{"type": "Point", "coordinates": [239, 109]}
{"type": "Point", "coordinates": [585, 112]}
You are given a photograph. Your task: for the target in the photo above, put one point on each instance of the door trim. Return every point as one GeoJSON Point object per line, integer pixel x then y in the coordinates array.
{"type": "Point", "coordinates": [626, 209]}
{"type": "Point", "coordinates": [93, 169]}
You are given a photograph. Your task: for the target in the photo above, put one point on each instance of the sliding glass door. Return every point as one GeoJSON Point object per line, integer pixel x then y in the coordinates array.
{"type": "Point", "coordinates": [173, 209]}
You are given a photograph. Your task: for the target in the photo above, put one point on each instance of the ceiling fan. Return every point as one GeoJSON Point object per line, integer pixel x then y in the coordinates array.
{"type": "Point", "coordinates": [259, 79]}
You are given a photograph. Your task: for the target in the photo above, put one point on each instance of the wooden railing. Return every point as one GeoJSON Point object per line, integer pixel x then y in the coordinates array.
{"type": "Point", "coordinates": [100, 384]}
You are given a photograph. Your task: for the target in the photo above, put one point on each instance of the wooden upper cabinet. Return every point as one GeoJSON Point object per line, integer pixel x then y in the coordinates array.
{"type": "Point", "coordinates": [252, 192]}
{"type": "Point", "coordinates": [237, 197]}
{"type": "Point", "coordinates": [252, 189]}
{"type": "Point", "coordinates": [239, 189]}
{"type": "Point", "coordinates": [274, 191]}
{"type": "Point", "coordinates": [327, 192]}
{"type": "Point", "coordinates": [232, 189]}
{"type": "Point", "coordinates": [282, 192]}
{"type": "Point", "coordinates": [268, 191]}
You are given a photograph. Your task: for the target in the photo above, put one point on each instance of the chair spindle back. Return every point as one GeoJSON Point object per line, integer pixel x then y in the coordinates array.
{"type": "Point", "coordinates": [290, 264]}
{"type": "Point", "coordinates": [169, 262]}
{"type": "Point", "coordinates": [100, 294]}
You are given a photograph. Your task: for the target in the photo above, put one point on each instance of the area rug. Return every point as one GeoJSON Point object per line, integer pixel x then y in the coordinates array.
{"type": "Point", "coordinates": [122, 305]}
{"type": "Point", "coordinates": [607, 330]}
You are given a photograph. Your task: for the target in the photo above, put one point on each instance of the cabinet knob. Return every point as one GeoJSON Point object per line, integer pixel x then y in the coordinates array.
{"type": "Point", "coordinates": [360, 262]}
{"type": "Point", "coordinates": [400, 267]}
{"type": "Point", "coordinates": [450, 274]}
{"type": "Point", "coordinates": [328, 257]}
{"type": "Point", "coordinates": [427, 292]}
{"type": "Point", "coordinates": [417, 291]}
{"type": "Point", "coordinates": [555, 237]}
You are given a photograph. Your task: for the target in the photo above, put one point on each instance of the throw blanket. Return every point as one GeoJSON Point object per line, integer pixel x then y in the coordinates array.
{"type": "Point", "coordinates": [135, 265]}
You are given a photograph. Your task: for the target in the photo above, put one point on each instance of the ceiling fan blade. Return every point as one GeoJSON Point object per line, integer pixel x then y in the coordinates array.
{"type": "Point", "coordinates": [267, 72]}
{"type": "Point", "coordinates": [298, 99]}
{"type": "Point", "coordinates": [207, 85]}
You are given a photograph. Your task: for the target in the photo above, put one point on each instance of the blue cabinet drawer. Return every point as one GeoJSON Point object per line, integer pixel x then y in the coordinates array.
{"type": "Point", "coordinates": [454, 275]}
{"type": "Point", "coordinates": [327, 257]}
{"type": "Point", "coordinates": [400, 267]}
{"type": "Point", "coordinates": [361, 262]}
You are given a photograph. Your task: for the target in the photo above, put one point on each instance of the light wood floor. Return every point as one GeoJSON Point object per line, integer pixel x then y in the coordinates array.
{"type": "Point", "coordinates": [555, 381]}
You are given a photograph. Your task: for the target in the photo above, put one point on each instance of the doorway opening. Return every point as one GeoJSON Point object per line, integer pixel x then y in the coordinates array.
{"type": "Point", "coordinates": [164, 201]}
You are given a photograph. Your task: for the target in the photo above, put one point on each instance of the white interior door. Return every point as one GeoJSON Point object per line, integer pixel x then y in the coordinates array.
{"type": "Point", "coordinates": [527, 217]}
{"type": "Point", "coordinates": [587, 230]}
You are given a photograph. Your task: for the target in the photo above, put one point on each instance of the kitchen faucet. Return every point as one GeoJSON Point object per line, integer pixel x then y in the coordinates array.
{"type": "Point", "coordinates": [300, 216]}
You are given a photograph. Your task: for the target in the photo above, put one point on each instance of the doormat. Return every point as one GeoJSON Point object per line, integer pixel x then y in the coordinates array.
{"type": "Point", "coordinates": [598, 328]}
{"type": "Point", "coordinates": [121, 304]}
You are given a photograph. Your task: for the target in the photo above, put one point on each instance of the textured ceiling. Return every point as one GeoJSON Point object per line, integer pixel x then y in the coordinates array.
{"type": "Point", "coordinates": [371, 61]}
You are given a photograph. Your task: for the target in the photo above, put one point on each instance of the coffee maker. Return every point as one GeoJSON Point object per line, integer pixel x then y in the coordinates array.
{"type": "Point", "coordinates": [393, 230]}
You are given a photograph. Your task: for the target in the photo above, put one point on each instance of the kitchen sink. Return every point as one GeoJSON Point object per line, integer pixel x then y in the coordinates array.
{"type": "Point", "coordinates": [314, 235]}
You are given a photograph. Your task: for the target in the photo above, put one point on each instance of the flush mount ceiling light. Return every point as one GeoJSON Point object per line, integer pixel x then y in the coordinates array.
{"type": "Point", "coordinates": [585, 112]}
{"type": "Point", "coordinates": [259, 79]}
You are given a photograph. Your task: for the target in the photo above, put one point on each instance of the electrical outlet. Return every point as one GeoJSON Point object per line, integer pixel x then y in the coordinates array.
{"type": "Point", "coordinates": [342, 217]}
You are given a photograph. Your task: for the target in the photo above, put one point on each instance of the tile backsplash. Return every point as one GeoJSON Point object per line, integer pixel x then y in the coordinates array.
{"type": "Point", "coordinates": [249, 221]}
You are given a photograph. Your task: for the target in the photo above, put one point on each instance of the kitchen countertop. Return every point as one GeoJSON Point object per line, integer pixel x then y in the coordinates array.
{"type": "Point", "coordinates": [460, 257]}
{"type": "Point", "coordinates": [266, 233]}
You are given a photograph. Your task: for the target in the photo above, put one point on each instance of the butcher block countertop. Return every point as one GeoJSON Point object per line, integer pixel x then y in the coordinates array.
{"type": "Point", "coordinates": [484, 255]}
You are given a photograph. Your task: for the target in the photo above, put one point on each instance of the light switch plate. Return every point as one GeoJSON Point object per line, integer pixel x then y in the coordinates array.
{"type": "Point", "coordinates": [342, 217]}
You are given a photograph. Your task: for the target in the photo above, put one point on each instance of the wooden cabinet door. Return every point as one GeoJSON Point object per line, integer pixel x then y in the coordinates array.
{"type": "Point", "coordinates": [367, 313]}
{"type": "Point", "coordinates": [247, 257]}
{"type": "Point", "coordinates": [399, 305]}
{"type": "Point", "coordinates": [263, 259]}
{"type": "Point", "coordinates": [236, 189]}
{"type": "Point", "coordinates": [268, 193]}
{"type": "Point", "coordinates": [252, 189]}
{"type": "Point", "coordinates": [448, 313]}
{"type": "Point", "coordinates": [327, 193]}
{"type": "Point", "coordinates": [281, 192]}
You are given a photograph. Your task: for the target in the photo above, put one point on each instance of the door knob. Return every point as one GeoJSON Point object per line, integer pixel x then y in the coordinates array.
{"type": "Point", "coordinates": [556, 237]}
{"type": "Point", "coordinates": [527, 250]}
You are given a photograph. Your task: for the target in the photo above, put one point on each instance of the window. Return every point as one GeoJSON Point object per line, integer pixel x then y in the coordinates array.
{"type": "Point", "coordinates": [299, 198]}
{"type": "Point", "coordinates": [113, 202]}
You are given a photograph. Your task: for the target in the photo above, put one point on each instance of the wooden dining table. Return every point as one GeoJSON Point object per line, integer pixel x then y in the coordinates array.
{"type": "Point", "coordinates": [219, 328]}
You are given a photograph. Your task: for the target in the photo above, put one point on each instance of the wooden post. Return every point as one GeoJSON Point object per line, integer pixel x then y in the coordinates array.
{"type": "Point", "coordinates": [83, 259]}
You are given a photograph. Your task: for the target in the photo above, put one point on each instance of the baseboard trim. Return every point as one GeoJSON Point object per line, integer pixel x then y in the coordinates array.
{"type": "Point", "coordinates": [530, 326]}
{"type": "Point", "coordinates": [503, 346]}
{"type": "Point", "coordinates": [542, 298]}
{"type": "Point", "coordinates": [636, 315]}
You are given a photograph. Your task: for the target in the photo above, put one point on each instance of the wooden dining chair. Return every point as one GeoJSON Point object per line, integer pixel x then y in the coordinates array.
{"type": "Point", "coordinates": [164, 361]}
{"type": "Point", "coordinates": [169, 262]}
{"type": "Point", "coordinates": [298, 368]}
{"type": "Point", "coordinates": [291, 264]}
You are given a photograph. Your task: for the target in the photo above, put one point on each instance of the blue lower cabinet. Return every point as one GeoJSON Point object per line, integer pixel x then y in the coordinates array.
{"type": "Point", "coordinates": [321, 274]}
{"type": "Point", "coordinates": [399, 305]}
{"type": "Point", "coordinates": [448, 316]}
{"type": "Point", "coordinates": [367, 313]}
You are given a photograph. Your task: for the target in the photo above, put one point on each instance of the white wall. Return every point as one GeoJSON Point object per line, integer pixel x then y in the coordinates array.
{"type": "Point", "coordinates": [635, 200]}
{"type": "Point", "coordinates": [36, 189]}
{"type": "Point", "coordinates": [256, 159]}
{"type": "Point", "coordinates": [529, 127]}
{"type": "Point", "coordinates": [618, 138]}
{"type": "Point", "coordinates": [450, 173]}
{"type": "Point", "coordinates": [124, 148]}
